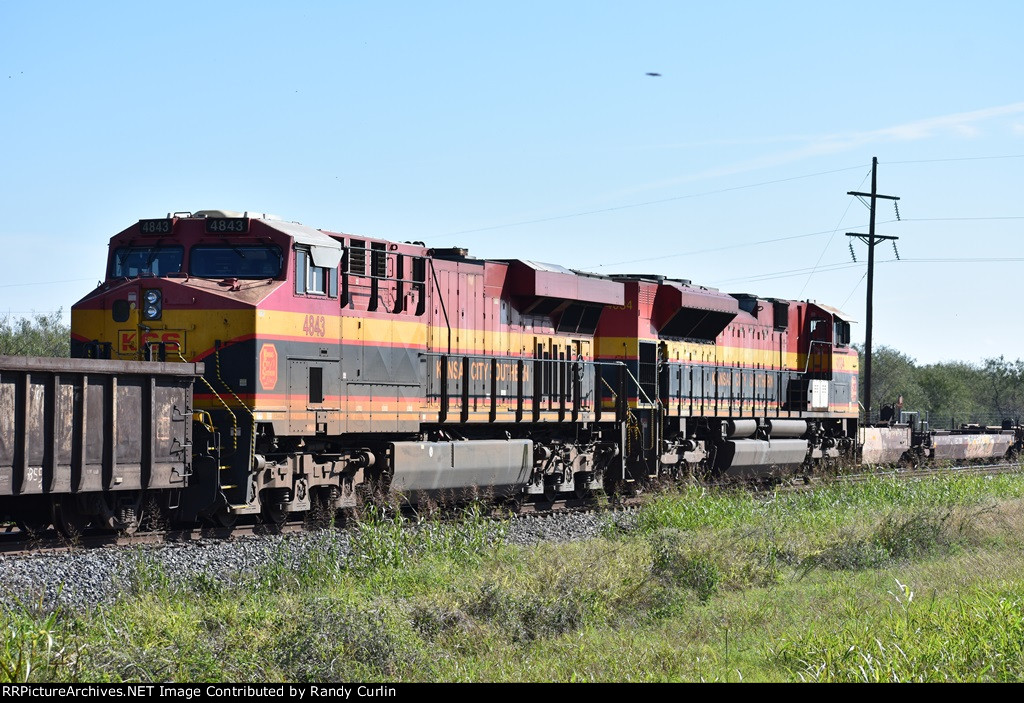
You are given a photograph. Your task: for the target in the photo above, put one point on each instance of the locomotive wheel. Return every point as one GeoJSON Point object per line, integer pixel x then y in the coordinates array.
{"type": "Point", "coordinates": [274, 505]}
{"type": "Point", "coordinates": [222, 518]}
{"type": "Point", "coordinates": [908, 462]}
{"type": "Point", "coordinates": [68, 517]}
{"type": "Point", "coordinates": [613, 487]}
{"type": "Point", "coordinates": [550, 492]}
{"type": "Point", "coordinates": [129, 525]}
{"type": "Point", "coordinates": [274, 514]}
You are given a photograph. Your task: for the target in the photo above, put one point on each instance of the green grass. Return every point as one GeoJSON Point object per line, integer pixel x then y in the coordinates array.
{"type": "Point", "coordinates": [29, 650]}
{"type": "Point", "coordinates": [829, 506]}
{"type": "Point", "coordinates": [885, 580]}
{"type": "Point", "coordinates": [978, 636]}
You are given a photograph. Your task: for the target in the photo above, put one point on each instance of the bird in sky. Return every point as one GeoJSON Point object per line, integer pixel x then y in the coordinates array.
{"type": "Point", "coordinates": [653, 75]}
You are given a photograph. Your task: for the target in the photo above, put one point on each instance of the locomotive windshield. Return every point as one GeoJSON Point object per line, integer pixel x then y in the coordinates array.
{"type": "Point", "coordinates": [235, 261]}
{"type": "Point", "coordinates": [131, 262]}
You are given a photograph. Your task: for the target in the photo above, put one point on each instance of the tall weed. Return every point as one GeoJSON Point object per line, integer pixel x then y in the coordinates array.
{"type": "Point", "coordinates": [978, 636]}
{"type": "Point", "coordinates": [30, 646]}
{"type": "Point", "coordinates": [898, 538]}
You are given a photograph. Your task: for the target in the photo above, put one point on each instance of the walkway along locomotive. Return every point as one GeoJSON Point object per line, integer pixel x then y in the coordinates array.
{"type": "Point", "coordinates": [329, 365]}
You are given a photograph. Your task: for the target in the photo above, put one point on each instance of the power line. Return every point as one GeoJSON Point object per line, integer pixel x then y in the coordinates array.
{"type": "Point", "coordinates": [790, 273]}
{"type": "Point", "coordinates": [958, 219]}
{"type": "Point", "coordinates": [723, 190]}
{"type": "Point", "coordinates": [831, 237]}
{"type": "Point", "coordinates": [962, 158]}
{"type": "Point", "coordinates": [45, 283]}
{"type": "Point", "coordinates": [975, 260]}
{"type": "Point", "coordinates": [713, 249]}
{"type": "Point", "coordinates": [648, 202]}
{"type": "Point", "coordinates": [855, 287]}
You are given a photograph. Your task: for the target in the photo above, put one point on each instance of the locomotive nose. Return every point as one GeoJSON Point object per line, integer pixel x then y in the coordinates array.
{"type": "Point", "coordinates": [135, 320]}
{"type": "Point", "coordinates": [155, 331]}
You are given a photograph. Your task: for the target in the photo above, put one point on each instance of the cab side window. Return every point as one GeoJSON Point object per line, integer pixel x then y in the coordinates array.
{"type": "Point", "coordinates": [819, 329]}
{"type": "Point", "coordinates": [842, 332]}
{"type": "Point", "coordinates": [311, 279]}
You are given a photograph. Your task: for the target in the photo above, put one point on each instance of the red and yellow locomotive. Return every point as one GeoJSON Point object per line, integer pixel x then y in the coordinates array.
{"type": "Point", "coordinates": [336, 364]}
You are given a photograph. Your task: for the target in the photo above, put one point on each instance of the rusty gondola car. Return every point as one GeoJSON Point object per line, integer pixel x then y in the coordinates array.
{"type": "Point", "coordinates": [83, 441]}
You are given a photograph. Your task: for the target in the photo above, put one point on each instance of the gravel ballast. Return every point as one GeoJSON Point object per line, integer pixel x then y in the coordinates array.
{"type": "Point", "coordinates": [84, 578]}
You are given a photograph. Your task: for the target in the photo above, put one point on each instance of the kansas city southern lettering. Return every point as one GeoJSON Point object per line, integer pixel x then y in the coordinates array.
{"type": "Point", "coordinates": [481, 370]}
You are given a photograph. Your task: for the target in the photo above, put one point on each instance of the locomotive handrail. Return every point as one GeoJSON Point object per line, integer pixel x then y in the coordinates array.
{"type": "Point", "coordinates": [440, 297]}
{"type": "Point", "coordinates": [442, 390]}
{"type": "Point", "coordinates": [234, 418]}
{"type": "Point", "coordinates": [807, 361]}
{"type": "Point", "coordinates": [638, 386]}
{"type": "Point", "coordinates": [216, 356]}
{"type": "Point", "coordinates": [252, 437]}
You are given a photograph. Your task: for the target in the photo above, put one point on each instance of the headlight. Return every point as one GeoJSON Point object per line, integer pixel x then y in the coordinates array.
{"type": "Point", "coordinates": [153, 308]}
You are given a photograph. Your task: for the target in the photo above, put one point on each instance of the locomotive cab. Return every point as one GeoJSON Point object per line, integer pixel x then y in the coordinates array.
{"type": "Point", "coordinates": [168, 280]}
{"type": "Point", "coordinates": [206, 287]}
{"type": "Point", "coordinates": [830, 361]}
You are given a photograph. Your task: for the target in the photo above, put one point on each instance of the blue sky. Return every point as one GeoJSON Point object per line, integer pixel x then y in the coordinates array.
{"type": "Point", "coordinates": [530, 130]}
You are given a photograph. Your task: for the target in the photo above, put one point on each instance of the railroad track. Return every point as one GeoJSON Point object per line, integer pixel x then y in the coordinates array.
{"type": "Point", "coordinates": [14, 542]}
{"type": "Point", "coordinates": [902, 474]}
{"type": "Point", "coordinates": [966, 470]}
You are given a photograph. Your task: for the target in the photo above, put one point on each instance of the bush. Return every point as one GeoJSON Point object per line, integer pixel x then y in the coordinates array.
{"type": "Point", "coordinates": [332, 641]}
{"type": "Point", "coordinates": [897, 539]}
{"type": "Point", "coordinates": [677, 562]}
{"type": "Point", "coordinates": [978, 636]}
{"type": "Point", "coordinates": [526, 617]}
{"type": "Point", "coordinates": [43, 335]}
{"type": "Point", "coordinates": [384, 540]}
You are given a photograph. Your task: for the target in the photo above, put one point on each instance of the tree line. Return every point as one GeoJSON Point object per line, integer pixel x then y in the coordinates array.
{"type": "Point", "coordinates": [951, 393]}
{"type": "Point", "coordinates": [39, 335]}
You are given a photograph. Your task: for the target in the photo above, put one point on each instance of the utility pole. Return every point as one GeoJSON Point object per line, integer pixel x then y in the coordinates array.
{"type": "Point", "coordinates": [871, 239]}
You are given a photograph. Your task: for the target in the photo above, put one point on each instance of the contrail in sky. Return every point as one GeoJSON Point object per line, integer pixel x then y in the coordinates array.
{"type": "Point", "coordinates": [961, 124]}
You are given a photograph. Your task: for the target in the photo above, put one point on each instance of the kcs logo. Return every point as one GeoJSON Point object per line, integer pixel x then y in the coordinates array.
{"type": "Point", "coordinates": [268, 367]}
{"type": "Point", "coordinates": [128, 341]}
